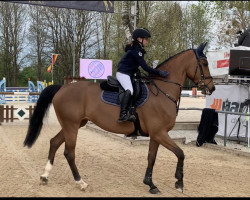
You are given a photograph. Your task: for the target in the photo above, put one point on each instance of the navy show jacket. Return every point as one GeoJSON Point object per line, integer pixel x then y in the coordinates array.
{"type": "Point", "coordinates": [132, 59]}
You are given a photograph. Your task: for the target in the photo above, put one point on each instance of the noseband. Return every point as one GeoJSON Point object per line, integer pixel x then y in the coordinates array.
{"type": "Point", "coordinates": [203, 78]}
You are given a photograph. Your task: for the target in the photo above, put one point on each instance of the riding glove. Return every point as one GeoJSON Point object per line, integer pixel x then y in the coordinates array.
{"type": "Point", "coordinates": [163, 73]}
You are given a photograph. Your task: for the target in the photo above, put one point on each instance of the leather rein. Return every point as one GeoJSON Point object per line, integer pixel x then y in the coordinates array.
{"type": "Point", "coordinates": [150, 80]}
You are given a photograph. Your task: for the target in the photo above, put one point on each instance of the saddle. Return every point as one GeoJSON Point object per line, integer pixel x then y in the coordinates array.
{"type": "Point", "coordinates": [113, 85]}
{"type": "Point", "coordinates": [113, 93]}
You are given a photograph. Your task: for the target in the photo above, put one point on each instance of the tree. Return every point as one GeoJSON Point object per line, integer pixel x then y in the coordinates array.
{"type": "Point", "coordinates": [25, 74]}
{"type": "Point", "coordinates": [164, 30]}
{"type": "Point", "coordinates": [37, 37]}
{"type": "Point", "coordinates": [199, 24]}
{"type": "Point", "coordinates": [117, 37]}
{"type": "Point", "coordinates": [232, 16]}
{"type": "Point", "coordinates": [12, 30]}
{"type": "Point", "coordinates": [61, 34]}
{"type": "Point", "coordinates": [106, 23]}
{"type": "Point", "coordinates": [126, 20]}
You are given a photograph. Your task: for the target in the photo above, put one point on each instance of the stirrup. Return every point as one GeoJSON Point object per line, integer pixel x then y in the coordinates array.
{"type": "Point", "coordinates": [132, 118]}
{"type": "Point", "coordinates": [123, 118]}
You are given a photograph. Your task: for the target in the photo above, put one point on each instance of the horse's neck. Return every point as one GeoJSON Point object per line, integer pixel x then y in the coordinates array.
{"type": "Point", "coordinates": [178, 67]}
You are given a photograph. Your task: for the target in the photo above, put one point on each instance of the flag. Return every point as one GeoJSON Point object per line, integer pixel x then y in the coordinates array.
{"type": "Point", "coordinates": [54, 58]}
{"type": "Point", "coordinates": [49, 69]}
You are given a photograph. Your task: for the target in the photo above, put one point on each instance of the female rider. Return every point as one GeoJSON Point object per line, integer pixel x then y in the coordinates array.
{"type": "Point", "coordinates": [129, 65]}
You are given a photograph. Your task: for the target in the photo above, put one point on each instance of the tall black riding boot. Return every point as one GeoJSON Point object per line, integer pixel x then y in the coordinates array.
{"type": "Point", "coordinates": [124, 106]}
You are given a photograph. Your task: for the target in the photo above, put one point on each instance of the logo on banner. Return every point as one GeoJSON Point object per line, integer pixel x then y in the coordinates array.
{"type": "Point", "coordinates": [107, 4]}
{"type": "Point", "coordinates": [96, 69]}
{"type": "Point", "coordinates": [218, 104]}
{"type": "Point", "coordinates": [229, 98]}
{"type": "Point", "coordinates": [225, 62]}
{"type": "Point", "coordinates": [222, 63]}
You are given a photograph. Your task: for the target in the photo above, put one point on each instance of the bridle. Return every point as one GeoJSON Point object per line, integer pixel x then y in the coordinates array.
{"type": "Point", "coordinates": [201, 82]}
{"type": "Point", "coordinates": [150, 80]}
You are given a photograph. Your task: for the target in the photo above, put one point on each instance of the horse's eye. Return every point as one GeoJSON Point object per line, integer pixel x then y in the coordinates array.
{"type": "Point", "coordinates": [205, 64]}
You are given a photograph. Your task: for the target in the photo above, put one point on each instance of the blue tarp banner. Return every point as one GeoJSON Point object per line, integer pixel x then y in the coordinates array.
{"type": "Point", "coordinates": [101, 6]}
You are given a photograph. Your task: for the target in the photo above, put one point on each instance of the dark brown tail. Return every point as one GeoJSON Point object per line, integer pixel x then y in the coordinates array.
{"type": "Point", "coordinates": [36, 121]}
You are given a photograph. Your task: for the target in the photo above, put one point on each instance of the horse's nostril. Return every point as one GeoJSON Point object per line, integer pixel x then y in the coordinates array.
{"type": "Point", "coordinates": [212, 89]}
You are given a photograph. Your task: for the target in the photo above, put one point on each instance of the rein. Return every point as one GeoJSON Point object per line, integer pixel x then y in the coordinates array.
{"type": "Point", "coordinates": [177, 102]}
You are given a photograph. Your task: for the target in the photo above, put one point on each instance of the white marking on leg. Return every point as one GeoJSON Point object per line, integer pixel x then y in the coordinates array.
{"type": "Point", "coordinates": [179, 189]}
{"type": "Point", "coordinates": [82, 184]}
{"type": "Point", "coordinates": [48, 168]}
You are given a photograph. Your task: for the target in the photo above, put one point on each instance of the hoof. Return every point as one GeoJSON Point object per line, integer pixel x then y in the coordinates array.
{"type": "Point", "coordinates": [82, 184]}
{"type": "Point", "coordinates": [43, 180]}
{"type": "Point", "coordinates": [179, 186]}
{"type": "Point", "coordinates": [84, 187]}
{"type": "Point", "coordinates": [154, 191]}
{"type": "Point", "coordinates": [179, 190]}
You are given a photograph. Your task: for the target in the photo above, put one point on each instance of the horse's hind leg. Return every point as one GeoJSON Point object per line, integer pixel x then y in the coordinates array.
{"type": "Point", "coordinates": [167, 142]}
{"type": "Point", "coordinates": [152, 152]}
{"type": "Point", "coordinates": [69, 153]}
{"type": "Point", "coordinates": [55, 143]}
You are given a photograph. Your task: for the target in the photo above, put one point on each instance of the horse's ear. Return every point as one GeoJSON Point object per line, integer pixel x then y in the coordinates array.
{"type": "Point", "coordinates": [204, 44]}
{"type": "Point", "coordinates": [201, 47]}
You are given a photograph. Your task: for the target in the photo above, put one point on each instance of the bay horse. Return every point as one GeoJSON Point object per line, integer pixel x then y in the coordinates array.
{"type": "Point", "coordinates": [77, 103]}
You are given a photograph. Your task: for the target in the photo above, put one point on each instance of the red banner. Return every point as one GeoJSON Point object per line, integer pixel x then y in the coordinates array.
{"type": "Point", "coordinates": [222, 63]}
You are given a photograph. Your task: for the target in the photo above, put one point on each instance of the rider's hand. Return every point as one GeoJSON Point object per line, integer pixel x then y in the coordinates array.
{"type": "Point", "coordinates": [163, 73]}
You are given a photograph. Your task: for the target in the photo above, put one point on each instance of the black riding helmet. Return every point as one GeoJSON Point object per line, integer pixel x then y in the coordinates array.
{"type": "Point", "coordinates": [141, 32]}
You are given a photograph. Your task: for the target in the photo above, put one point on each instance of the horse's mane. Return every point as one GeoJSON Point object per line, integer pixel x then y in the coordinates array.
{"type": "Point", "coordinates": [170, 58]}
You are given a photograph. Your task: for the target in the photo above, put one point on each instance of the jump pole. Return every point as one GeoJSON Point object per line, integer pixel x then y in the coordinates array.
{"type": "Point", "coordinates": [20, 93]}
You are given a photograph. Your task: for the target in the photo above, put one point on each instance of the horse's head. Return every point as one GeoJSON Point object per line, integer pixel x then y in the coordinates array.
{"type": "Point", "coordinates": [202, 77]}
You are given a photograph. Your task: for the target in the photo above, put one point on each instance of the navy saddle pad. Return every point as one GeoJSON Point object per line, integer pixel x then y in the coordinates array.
{"type": "Point", "coordinates": [113, 97]}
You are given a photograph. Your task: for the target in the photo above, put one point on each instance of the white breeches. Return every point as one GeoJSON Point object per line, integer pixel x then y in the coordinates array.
{"type": "Point", "coordinates": [125, 81]}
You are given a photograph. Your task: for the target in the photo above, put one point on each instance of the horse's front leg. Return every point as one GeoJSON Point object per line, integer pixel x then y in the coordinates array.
{"type": "Point", "coordinates": [179, 176]}
{"type": "Point", "coordinates": [167, 142]}
{"type": "Point", "coordinates": [153, 148]}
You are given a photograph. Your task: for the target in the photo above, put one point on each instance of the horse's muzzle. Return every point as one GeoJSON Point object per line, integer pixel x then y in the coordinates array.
{"type": "Point", "coordinates": [207, 91]}
{"type": "Point", "coordinates": [212, 90]}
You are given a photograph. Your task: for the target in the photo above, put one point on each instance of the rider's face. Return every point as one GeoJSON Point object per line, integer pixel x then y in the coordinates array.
{"type": "Point", "coordinates": [145, 41]}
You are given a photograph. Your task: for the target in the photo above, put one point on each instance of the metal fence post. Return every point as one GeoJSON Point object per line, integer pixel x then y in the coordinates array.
{"type": "Point", "coordinates": [225, 130]}
{"type": "Point", "coordinates": [248, 126]}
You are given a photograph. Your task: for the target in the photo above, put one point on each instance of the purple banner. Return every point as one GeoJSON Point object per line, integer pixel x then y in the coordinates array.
{"type": "Point", "coordinates": [95, 69]}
